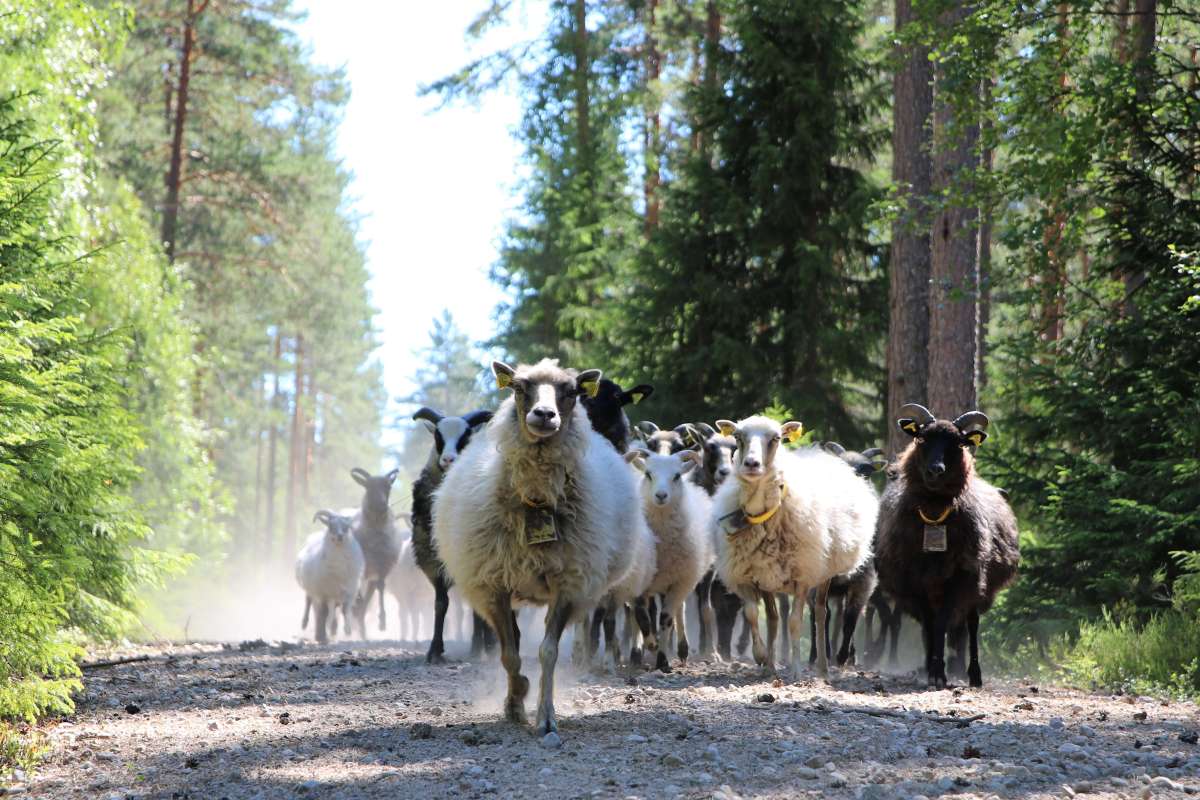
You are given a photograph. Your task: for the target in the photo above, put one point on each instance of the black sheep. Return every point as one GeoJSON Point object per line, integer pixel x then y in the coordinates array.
{"type": "Point", "coordinates": [607, 410]}
{"type": "Point", "coordinates": [946, 541]}
{"type": "Point", "coordinates": [451, 435]}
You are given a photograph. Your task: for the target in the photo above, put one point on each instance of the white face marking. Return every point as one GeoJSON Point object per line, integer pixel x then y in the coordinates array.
{"type": "Point", "coordinates": [451, 429]}
{"type": "Point", "coordinates": [542, 418]}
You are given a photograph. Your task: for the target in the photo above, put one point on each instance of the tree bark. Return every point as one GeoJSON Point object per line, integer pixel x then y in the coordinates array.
{"type": "Point", "coordinates": [582, 92]}
{"type": "Point", "coordinates": [295, 453]}
{"type": "Point", "coordinates": [268, 532]}
{"type": "Point", "coordinates": [651, 146]}
{"type": "Point", "coordinates": [175, 170]}
{"type": "Point", "coordinates": [954, 269]}
{"type": "Point", "coordinates": [908, 291]}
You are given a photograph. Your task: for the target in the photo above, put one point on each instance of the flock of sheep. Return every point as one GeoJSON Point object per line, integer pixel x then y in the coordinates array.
{"type": "Point", "coordinates": [554, 500]}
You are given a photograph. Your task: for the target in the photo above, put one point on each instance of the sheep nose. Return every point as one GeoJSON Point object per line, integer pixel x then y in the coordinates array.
{"type": "Point", "coordinates": [935, 470]}
{"type": "Point", "coordinates": [660, 497]}
{"type": "Point", "coordinates": [447, 460]}
{"type": "Point", "coordinates": [545, 414]}
{"type": "Point", "coordinates": [752, 463]}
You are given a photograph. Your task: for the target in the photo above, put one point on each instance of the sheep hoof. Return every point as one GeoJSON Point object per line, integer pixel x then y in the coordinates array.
{"type": "Point", "coordinates": [683, 651]}
{"type": "Point", "coordinates": [552, 741]}
{"type": "Point", "coordinates": [937, 681]}
{"type": "Point", "coordinates": [975, 676]}
{"type": "Point", "coordinates": [635, 657]}
{"type": "Point", "coordinates": [662, 664]}
{"type": "Point", "coordinates": [514, 711]}
{"type": "Point", "coordinates": [435, 658]}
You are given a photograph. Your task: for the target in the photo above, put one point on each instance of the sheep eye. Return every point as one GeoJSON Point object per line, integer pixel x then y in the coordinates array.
{"type": "Point", "coordinates": [676, 477]}
{"type": "Point", "coordinates": [774, 440]}
{"type": "Point", "coordinates": [647, 476]}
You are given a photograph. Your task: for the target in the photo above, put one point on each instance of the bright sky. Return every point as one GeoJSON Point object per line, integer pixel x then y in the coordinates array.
{"type": "Point", "coordinates": [433, 188]}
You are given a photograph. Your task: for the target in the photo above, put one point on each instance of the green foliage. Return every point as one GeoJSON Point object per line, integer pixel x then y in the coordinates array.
{"type": "Point", "coordinates": [20, 749]}
{"type": "Point", "coordinates": [1156, 656]}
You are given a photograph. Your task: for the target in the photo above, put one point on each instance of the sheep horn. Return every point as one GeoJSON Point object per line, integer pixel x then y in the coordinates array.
{"type": "Point", "coordinates": [834, 448]}
{"type": "Point", "coordinates": [687, 431]}
{"type": "Point", "coordinates": [647, 427]}
{"type": "Point", "coordinates": [425, 412]}
{"type": "Point", "coordinates": [872, 452]}
{"type": "Point", "coordinates": [708, 431]}
{"type": "Point", "coordinates": [972, 421]}
{"type": "Point", "coordinates": [322, 516]}
{"type": "Point", "coordinates": [477, 418]}
{"type": "Point", "coordinates": [360, 475]}
{"type": "Point", "coordinates": [920, 414]}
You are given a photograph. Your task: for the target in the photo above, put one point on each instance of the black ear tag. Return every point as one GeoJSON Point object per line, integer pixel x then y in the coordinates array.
{"type": "Point", "coordinates": [935, 539]}
{"type": "Point", "coordinates": [734, 522]}
{"type": "Point", "coordinates": [541, 526]}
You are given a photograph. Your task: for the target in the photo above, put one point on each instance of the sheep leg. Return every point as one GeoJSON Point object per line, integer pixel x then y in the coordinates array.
{"type": "Point", "coordinates": [768, 601]}
{"type": "Point", "coordinates": [785, 638]}
{"type": "Point", "coordinates": [642, 615]}
{"type": "Point", "coordinates": [441, 604]}
{"type": "Point", "coordinates": [610, 636]}
{"type": "Point", "coordinates": [322, 622]}
{"type": "Point", "coordinates": [728, 605]}
{"type": "Point", "coordinates": [822, 630]}
{"type": "Point", "coordinates": [796, 625]}
{"type": "Point", "coordinates": [707, 616]}
{"type": "Point", "coordinates": [937, 646]}
{"type": "Point", "coordinates": [628, 635]}
{"type": "Point", "coordinates": [594, 631]}
{"type": "Point", "coordinates": [974, 673]}
{"type": "Point", "coordinates": [762, 656]}
{"type": "Point", "coordinates": [504, 621]}
{"type": "Point", "coordinates": [307, 607]}
{"type": "Point", "coordinates": [333, 621]}
{"type": "Point", "coordinates": [812, 626]}
{"type": "Point", "coordinates": [678, 623]}
{"type": "Point", "coordinates": [849, 624]}
{"type": "Point", "coordinates": [957, 665]}
{"type": "Point", "coordinates": [560, 614]}
{"type": "Point", "coordinates": [894, 630]}
{"type": "Point", "coordinates": [382, 612]}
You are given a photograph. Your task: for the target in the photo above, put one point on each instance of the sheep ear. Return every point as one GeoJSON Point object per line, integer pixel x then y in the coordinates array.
{"type": "Point", "coordinates": [391, 476]}
{"type": "Point", "coordinates": [909, 426]}
{"type": "Point", "coordinates": [361, 476]}
{"type": "Point", "coordinates": [504, 374]}
{"type": "Point", "coordinates": [646, 428]}
{"type": "Point", "coordinates": [726, 427]}
{"type": "Point", "coordinates": [639, 393]}
{"type": "Point", "coordinates": [792, 431]}
{"type": "Point", "coordinates": [705, 429]}
{"type": "Point", "coordinates": [687, 431]}
{"type": "Point", "coordinates": [588, 382]}
{"type": "Point", "coordinates": [637, 458]}
{"type": "Point", "coordinates": [427, 413]}
{"type": "Point", "coordinates": [427, 425]}
{"type": "Point", "coordinates": [690, 459]}
{"type": "Point", "coordinates": [973, 426]}
{"type": "Point", "coordinates": [834, 448]}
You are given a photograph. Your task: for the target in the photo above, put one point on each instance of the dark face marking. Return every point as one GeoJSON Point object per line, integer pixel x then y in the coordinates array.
{"type": "Point", "coordinates": [940, 456]}
{"type": "Point", "coordinates": [543, 407]}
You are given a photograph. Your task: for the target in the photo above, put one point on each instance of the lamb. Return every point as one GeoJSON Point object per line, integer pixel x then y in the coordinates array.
{"type": "Point", "coordinates": [850, 593]}
{"type": "Point", "coordinates": [375, 530]}
{"type": "Point", "coordinates": [789, 523]}
{"type": "Point", "coordinates": [677, 512]}
{"type": "Point", "coordinates": [947, 539]}
{"type": "Point", "coordinates": [329, 569]}
{"type": "Point", "coordinates": [451, 435]}
{"type": "Point", "coordinates": [607, 410]}
{"type": "Point", "coordinates": [545, 513]}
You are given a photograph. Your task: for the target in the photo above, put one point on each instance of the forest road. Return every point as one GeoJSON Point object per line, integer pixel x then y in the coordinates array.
{"type": "Point", "coordinates": [356, 720]}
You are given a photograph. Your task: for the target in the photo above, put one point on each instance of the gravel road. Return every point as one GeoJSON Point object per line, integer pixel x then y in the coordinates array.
{"type": "Point", "coordinates": [366, 721]}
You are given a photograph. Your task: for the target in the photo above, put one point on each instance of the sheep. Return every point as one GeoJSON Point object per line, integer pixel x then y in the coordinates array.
{"type": "Point", "coordinates": [546, 513]}
{"type": "Point", "coordinates": [681, 437]}
{"type": "Point", "coordinates": [790, 522]}
{"type": "Point", "coordinates": [329, 568]}
{"type": "Point", "coordinates": [451, 435]}
{"type": "Point", "coordinates": [606, 410]}
{"type": "Point", "coordinates": [677, 511]}
{"type": "Point", "coordinates": [850, 593]}
{"type": "Point", "coordinates": [947, 539]}
{"type": "Point", "coordinates": [624, 596]}
{"type": "Point", "coordinates": [719, 607]}
{"type": "Point", "coordinates": [375, 530]}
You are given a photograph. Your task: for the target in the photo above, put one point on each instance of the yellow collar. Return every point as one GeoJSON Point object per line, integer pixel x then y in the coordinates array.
{"type": "Point", "coordinates": [941, 518]}
{"type": "Point", "coordinates": [766, 515]}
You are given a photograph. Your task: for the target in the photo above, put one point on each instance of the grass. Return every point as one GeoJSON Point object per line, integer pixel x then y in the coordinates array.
{"type": "Point", "coordinates": [1160, 656]}
{"type": "Point", "coordinates": [20, 749]}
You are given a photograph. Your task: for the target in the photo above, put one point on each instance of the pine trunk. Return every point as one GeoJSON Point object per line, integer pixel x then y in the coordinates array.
{"type": "Point", "coordinates": [295, 453]}
{"type": "Point", "coordinates": [582, 92]}
{"type": "Point", "coordinates": [175, 170]}
{"type": "Point", "coordinates": [651, 144]}
{"type": "Point", "coordinates": [955, 251]}
{"type": "Point", "coordinates": [908, 292]}
{"type": "Point", "coordinates": [268, 532]}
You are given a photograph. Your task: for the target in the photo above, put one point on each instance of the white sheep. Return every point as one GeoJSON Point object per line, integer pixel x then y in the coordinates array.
{"type": "Point", "coordinates": [544, 512]}
{"type": "Point", "coordinates": [329, 569]}
{"type": "Point", "coordinates": [789, 523]}
{"type": "Point", "coordinates": [623, 596]}
{"type": "Point", "coordinates": [677, 511]}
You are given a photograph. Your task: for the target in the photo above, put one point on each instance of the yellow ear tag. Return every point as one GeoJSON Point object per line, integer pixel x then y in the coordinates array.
{"type": "Point", "coordinates": [503, 380]}
{"type": "Point", "coordinates": [976, 438]}
{"type": "Point", "coordinates": [727, 430]}
{"type": "Point", "coordinates": [794, 436]}
{"type": "Point", "coordinates": [911, 427]}
{"type": "Point", "coordinates": [637, 397]}
{"type": "Point", "coordinates": [591, 387]}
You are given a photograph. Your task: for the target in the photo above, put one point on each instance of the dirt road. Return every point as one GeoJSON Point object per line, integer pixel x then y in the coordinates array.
{"type": "Point", "coordinates": [374, 721]}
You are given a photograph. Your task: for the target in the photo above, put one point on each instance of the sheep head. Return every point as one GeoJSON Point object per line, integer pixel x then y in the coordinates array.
{"type": "Point", "coordinates": [337, 528]}
{"type": "Point", "coordinates": [757, 441]}
{"type": "Point", "coordinates": [718, 450]}
{"type": "Point", "coordinates": [450, 434]}
{"type": "Point", "coordinates": [940, 457]}
{"type": "Point", "coordinates": [377, 490]}
{"type": "Point", "coordinates": [682, 437]}
{"type": "Point", "coordinates": [864, 464]}
{"type": "Point", "coordinates": [545, 394]}
{"type": "Point", "coordinates": [664, 473]}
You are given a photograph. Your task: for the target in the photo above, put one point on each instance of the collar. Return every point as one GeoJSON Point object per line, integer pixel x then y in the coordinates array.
{"type": "Point", "coordinates": [758, 519]}
{"type": "Point", "coordinates": [940, 519]}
